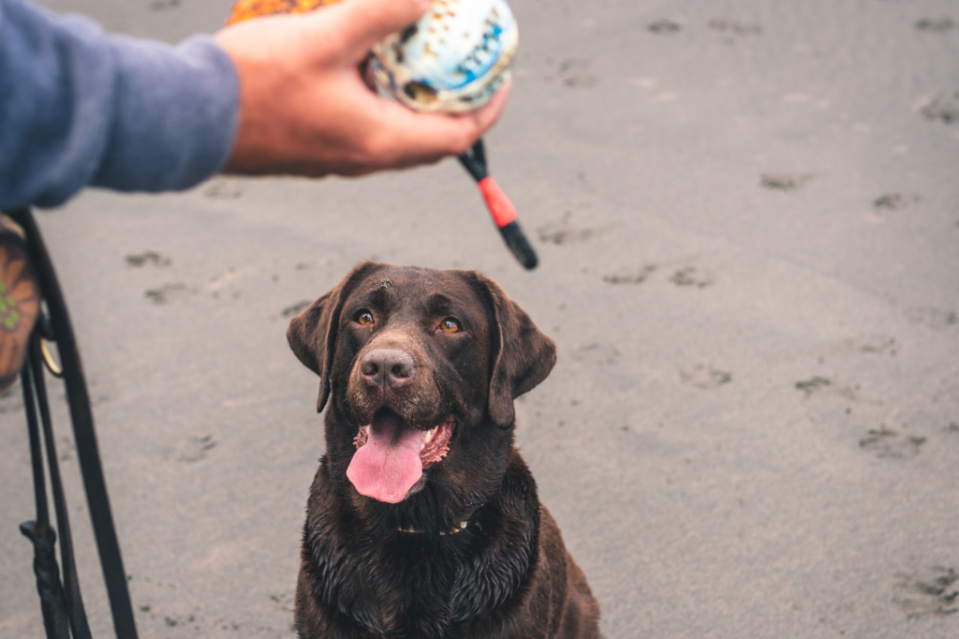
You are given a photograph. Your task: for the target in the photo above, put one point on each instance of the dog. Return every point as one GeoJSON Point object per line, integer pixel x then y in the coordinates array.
{"type": "Point", "coordinates": [423, 521]}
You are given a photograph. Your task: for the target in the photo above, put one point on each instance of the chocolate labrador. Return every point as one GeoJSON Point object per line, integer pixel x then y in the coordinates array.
{"type": "Point", "coordinates": [423, 520]}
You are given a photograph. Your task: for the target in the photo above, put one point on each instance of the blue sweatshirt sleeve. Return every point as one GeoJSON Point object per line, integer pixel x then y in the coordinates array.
{"type": "Point", "coordinates": [82, 108]}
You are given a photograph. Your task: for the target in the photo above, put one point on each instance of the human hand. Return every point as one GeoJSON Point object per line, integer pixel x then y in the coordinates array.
{"type": "Point", "coordinates": [305, 108]}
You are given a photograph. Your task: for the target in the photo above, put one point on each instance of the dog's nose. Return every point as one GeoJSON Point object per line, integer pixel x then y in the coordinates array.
{"type": "Point", "coordinates": [387, 367]}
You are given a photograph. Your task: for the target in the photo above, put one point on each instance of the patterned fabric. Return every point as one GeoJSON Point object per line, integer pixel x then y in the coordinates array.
{"type": "Point", "coordinates": [19, 302]}
{"type": "Point", "coordinates": [246, 9]}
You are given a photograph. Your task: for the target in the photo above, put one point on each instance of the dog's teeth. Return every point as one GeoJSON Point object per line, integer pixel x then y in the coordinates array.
{"type": "Point", "coordinates": [429, 435]}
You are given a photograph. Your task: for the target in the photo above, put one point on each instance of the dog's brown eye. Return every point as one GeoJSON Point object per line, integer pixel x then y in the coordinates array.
{"type": "Point", "coordinates": [364, 318]}
{"type": "Point", "coordinates": [451, 325]}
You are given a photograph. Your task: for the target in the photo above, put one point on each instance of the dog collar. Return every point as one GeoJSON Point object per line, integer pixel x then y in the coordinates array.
{"type": "Point", "coordinates": [458, 528]}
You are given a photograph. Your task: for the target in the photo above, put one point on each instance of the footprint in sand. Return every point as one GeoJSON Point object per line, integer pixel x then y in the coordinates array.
{"type": "Point", "coordinates": [706, 376]}
{"type": "Point", "coordinates": [690, 277]}
{"type": "Point", "coordinates": [664, 27]}
{"type": "Point", "coordinates": [147, 258]}
{"type": "Point", "coordinates": [942, 108]}
{"type": "Point", "coordinates": [937, 25]}
{"type": "Point", "coordinates": [784, 181]}
{"type": "Point", "coordinates": [631, 277]}
{"type": "Point", "coordinates": [887, 443]}
{"type": "Point", "coordinates": [926, 593]}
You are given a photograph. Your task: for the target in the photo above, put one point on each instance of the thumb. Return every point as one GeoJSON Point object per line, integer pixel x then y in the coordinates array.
{"type": "Point", "coordinates": [363, 23]}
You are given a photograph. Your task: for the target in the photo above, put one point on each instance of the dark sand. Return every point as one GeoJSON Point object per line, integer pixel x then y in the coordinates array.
{"type": "Point", "coordinates": [748, 219]}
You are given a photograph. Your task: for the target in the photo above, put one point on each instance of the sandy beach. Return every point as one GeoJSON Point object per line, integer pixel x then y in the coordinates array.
{"type": "Point", "coordinates": [747, 216]}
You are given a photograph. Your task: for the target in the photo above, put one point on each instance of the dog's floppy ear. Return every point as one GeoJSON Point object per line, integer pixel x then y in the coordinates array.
{"type": "Point", "coordinates": [312, 333]}
{"type": "Point", "coordinates": [523, 355]}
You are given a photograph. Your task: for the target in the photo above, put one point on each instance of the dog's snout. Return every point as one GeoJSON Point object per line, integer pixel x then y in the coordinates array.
{"type": "Point", "coordinates": [387, 367]}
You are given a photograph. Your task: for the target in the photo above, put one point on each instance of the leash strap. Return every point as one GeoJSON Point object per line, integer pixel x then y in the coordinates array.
{"type": "Point", "coordinates": [43, 536]}
{"type": "Point", "coordinates": [63, 606]}
{"type": "Point", "coordinates": [35, 399]}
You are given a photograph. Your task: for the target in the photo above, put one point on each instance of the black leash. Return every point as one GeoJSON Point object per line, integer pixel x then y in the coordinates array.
{"type": "Point", "coordinates": [61, 602]}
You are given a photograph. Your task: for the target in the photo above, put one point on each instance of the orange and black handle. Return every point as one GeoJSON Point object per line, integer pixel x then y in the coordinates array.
{"type": "Point", "coordinates": [500, 208]}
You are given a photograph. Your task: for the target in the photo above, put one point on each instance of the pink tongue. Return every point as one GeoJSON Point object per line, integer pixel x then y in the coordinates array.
{"type": "Point", "coordinates": [388, 464]}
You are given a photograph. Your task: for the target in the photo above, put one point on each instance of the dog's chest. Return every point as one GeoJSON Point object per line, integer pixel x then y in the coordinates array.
{"type": "Point", "coordinates": [417, 586]}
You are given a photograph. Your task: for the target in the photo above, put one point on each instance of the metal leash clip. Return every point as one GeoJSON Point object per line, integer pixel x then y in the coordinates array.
{"type": "Point", "coordinates": [47, 339]}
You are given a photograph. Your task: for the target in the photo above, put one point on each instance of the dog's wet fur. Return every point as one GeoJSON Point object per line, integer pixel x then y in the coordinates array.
{"type": "Point", "coordinates": [468, 550]}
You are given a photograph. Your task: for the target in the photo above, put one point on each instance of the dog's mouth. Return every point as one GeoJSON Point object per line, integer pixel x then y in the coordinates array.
{"type": "Point", "coordinates": [392, 454]}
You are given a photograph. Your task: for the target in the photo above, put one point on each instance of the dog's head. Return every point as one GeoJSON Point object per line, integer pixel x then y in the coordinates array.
{"type": "Point", "coordinates": [420, 368]}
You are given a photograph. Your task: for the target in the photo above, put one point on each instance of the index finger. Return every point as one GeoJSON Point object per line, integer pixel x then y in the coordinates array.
{"type": "Point", "coordinates": [363, 23]}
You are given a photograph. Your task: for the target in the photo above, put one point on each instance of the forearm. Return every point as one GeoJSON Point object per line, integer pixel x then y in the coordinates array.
{"type": "Point", "coordinates": [80, 108]}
